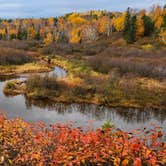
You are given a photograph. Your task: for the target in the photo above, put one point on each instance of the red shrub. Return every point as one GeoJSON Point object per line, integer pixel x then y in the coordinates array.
{"type": "Point", "coordinates": [33, 144]}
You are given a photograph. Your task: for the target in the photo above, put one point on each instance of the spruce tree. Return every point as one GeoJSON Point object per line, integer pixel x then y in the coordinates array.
{"type": "Point", "coordinates": [148, 25]}
{"type": "Point", "coordinates": [130, 27]}
{"type": "Point", "coordinates": [19, 33]}
{"type": "Point", "coordinates": [127, 25]}
{"type": "Point", "coordinates": [22, 33]}
{"type": "Point", "coordinates": [37, 35]}
{"type": "Point", "coordinates": [133, 29]}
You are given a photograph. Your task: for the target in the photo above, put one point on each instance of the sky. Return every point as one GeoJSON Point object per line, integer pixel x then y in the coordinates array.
{"type": "Point", "coordinates": [52, 8]}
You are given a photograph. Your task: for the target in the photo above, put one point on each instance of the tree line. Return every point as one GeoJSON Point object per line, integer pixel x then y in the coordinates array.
{"type": "Point", "coordinates": [89, 26]}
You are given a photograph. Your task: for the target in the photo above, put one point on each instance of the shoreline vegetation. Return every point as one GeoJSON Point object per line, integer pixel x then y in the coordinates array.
{"type": "Point", "coordinates": [147, 93]}
{"type": "Point", "coordinates": [15, 70]}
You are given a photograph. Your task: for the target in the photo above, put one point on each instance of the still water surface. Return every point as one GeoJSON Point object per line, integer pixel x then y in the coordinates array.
{"type": "Point", "coordinates": [81, 114]}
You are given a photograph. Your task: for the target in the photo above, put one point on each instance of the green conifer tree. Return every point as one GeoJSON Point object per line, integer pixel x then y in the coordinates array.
{"type": "Point", "coordinates": [130, 27]}
{"type": "Point", "coordinates": [148, 25]}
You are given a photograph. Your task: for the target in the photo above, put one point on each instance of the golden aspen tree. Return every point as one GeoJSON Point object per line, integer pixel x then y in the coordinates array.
{"type": "Point", "coordinates": [140, 24]}
{"type": "Point", "coordinates": [156, 14]}
{"type": "Point", "coordinates": [31, 33]}
{"type": "Point", "coordinates": [51, 22]}
{"type": "Point", "coordinates": [159, 22]}
{"type": "Point", "coordinates": [12, 33]}
{"type": "Point", "coordinates": [140, 27]}
{"type": "Point", "coordinates": [76, 19]}
{"type": "Point", "coordinates": [48, 39]}
{"type": "Point", "coordinates": [119, 22]}
{"type": "Point", "coordinates": [104, 25]}
{"type": "Point", "coordinates": [75, 35]}
{"type": "Point", "coordinates": [2, 33]}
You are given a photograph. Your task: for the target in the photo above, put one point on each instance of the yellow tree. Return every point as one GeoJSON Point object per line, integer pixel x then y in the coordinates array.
{"type": "Point", "coordinates": [51, 21]}
{"type": "Point", "coordinates": [119, 22]}
{"type": "Point", "coordinates": [12, 33]}
{"type": "Point", "coordinates": [140, 27]}
{"type": "Point", "coordinates": [75, 35]}
{"type": "Point", "coordinates": [2, 33]}
{"type": "Point", "coordinates": [31, 33]}
{"type": "Point", "coordinates": [48, 39]}
{"type": "Point", "coordinates": [76, 25]}
{"type": "Point", "coordinates": [76, 19]}
{"type": "Point", "coordinates": [140, 24]}
{"type": "Point", "coordinates": [157, 16]}
{"type": "Point", "coordinates": [104, 25]}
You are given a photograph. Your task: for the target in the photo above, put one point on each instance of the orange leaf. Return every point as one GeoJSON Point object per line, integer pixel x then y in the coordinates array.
{"type": "Point", "coordinates": [125, 162]}
{"type": "Point", "coordinates": [137, 162]}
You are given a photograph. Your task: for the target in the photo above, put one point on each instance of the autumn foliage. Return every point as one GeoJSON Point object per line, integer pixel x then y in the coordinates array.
{"type": "Point", "coordinates": [85, 27]}
{"type": "Point", "coordinates": [24, 143]}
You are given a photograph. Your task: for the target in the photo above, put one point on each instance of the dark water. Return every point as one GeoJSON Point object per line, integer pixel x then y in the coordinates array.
{"type": "Point", "coordinates": [81, 114]}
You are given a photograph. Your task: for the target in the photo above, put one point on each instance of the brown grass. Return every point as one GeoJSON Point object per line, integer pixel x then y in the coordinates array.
{"type": "Point", "coordinates": [10, 56]}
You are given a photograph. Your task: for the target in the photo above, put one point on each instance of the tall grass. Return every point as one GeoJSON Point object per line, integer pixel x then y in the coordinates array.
{"type": "Point", "coordinates": [44, 82]}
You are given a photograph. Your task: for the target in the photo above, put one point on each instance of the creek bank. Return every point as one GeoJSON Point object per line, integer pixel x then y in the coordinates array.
{"type": "Point", "coordinates": [16, 70]}
{"type": "Point", "coordinates": [71, 99]}
{"type": "Point", "coordinates": [71, 90]}
{"type": "Point", "coordinates": [17, 87]}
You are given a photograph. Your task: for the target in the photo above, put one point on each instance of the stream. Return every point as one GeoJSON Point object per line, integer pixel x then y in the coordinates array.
{"type": "Point", "coordinates": [80, 114]}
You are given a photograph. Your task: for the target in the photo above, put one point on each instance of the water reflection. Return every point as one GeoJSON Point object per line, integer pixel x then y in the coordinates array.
{"type": "Point", "coordinates": [100, 112]}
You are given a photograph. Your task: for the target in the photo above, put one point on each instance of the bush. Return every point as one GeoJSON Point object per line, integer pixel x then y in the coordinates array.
{"type": "Point", "coordinates": [25, 143]}
{"type": "Point", "coordinates": [107, 125]}
{"type": "Point", "coordinates": [10, 85]}
{"type": "Point", "coordinates": [19, 44]}
{"type": "Point", "coordinates": [57, 48]}
{"type": "Point", "coordinates": [81, 91]}
{"type": "Point", "coordinates": [10, 56]}
{"type": "Point", "coordinates": [68, 48]}
{"type": "Point", "coordinates": [44, 82]}
{"type": "Point", "coordinates": [136, 61]}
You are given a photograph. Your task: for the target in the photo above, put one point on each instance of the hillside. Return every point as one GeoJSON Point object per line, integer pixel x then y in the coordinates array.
{"type": "Point", "coordinates": [89, 27]}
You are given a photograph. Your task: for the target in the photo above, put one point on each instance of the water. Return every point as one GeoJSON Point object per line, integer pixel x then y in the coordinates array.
{"type": "Point", "coordinates": [81, 114]}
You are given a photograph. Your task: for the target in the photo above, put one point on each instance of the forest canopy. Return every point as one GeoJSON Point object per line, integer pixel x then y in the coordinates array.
{"type": "Point", "coordinates": [88, 26]}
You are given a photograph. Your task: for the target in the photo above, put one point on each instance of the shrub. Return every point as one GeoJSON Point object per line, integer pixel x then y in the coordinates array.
{"type": "Point", "coordinates": [19, 44]}
{"type": "Point", "coordinates": [44, 82]}
{"type": "Point", "coordinates": [9, 56]}
{"type": "Point", "coordinates": [25, 143]}
{"type": "Point", "coordinates": [10, 85]}
{"type": "Point", "coordinates": [136, 61]}
{"type": "Point", "coordinates": [68, 48]}
{"type": "Point", "coordinates": [80, 91]}
{"type": "Point", "coordinates": [57, 48]}
{"type": "Point", "coordinates": [107, 125]}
